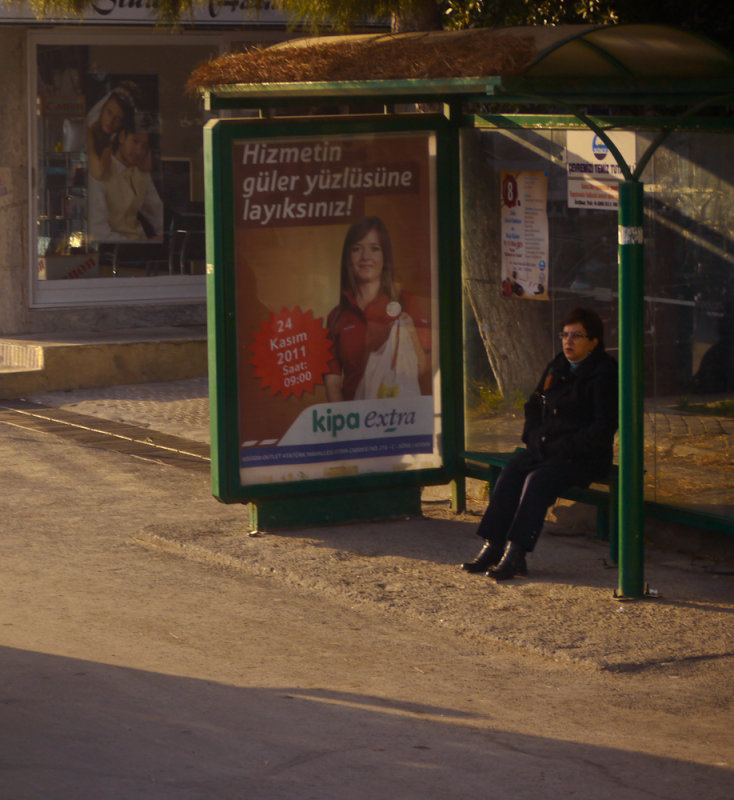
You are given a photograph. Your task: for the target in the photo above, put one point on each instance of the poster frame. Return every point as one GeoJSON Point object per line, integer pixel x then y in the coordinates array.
{"type": "Point", "coordinates": [219, 138]}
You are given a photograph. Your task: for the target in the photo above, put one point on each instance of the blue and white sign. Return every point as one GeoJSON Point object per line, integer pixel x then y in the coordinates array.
{"type": "Point", "coordinates": [593, 171]}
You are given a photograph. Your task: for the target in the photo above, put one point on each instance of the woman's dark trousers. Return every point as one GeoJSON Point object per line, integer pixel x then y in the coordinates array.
{"type": "Point", "coordinates": [524, 492]}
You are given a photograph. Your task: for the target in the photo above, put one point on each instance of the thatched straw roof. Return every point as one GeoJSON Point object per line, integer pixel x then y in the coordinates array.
{"type": "Point", "coordinates": [609, 62]}
{"type": "Point", "coordinates": [430, 55]}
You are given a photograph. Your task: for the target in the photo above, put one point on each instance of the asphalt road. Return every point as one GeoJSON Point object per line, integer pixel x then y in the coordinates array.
{"type": "Point", "coordinates": [130, 673]}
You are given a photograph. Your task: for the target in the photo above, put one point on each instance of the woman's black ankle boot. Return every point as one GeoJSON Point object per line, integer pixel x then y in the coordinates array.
{"type": "Point", "coordinates": [512, 563]}
{"type": "Point", "coordinates": [487, 557]}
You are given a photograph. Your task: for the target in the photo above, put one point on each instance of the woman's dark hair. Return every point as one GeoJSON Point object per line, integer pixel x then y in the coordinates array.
{"type": "Point", "coordinates": [356, 233]}
{"type": "Point", "coordinates": [591, 321]}
{"type": "Point", "coordinates": [128, 96]}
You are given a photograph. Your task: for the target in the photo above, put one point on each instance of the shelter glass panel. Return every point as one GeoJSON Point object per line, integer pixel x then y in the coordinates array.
{"type": "Point", "coordinates": [689, 322]}
{"type": "Point", "coordinates": [511, 326]}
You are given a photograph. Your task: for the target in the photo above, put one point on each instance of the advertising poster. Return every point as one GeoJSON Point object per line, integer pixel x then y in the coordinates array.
{"type": "Point", "coordinates": [336, 305]}
{"type": "Point", "coordinates": [121, 140]}
{"type": "Point", "coordinates": [593, 173]}
{"type": "Point", "coordinates": [524, 235]}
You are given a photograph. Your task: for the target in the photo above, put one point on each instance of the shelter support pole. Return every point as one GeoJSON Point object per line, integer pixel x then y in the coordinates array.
{"type": "Point", "coordinates": [631, 398]}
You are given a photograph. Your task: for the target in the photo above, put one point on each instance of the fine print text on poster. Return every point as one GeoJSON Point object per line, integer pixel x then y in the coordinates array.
{"type": "Point", "coordinates": [336, 306]}
{"type": "Point", "coordinates": [524, 234]}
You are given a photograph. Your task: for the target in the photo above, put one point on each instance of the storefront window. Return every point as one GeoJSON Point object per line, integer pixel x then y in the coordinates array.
{"type": "Point", "coordinates": [119, 196]}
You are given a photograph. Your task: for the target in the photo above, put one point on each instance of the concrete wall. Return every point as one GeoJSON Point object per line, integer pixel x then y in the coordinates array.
{"type": "Point", "coordinates": [15, 315]}
{"type": "Point", "coordinates": [13, 182]}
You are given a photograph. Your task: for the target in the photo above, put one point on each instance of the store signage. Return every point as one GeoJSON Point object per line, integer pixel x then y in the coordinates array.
{"type": "Point", "coordinates": [82, 265]}
{"type": "Point", "coordinates": [143, 12]}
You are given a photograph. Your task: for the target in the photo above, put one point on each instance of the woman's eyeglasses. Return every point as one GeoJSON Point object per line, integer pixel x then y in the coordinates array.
{"type": "Point", "coordinates": [575, 335]}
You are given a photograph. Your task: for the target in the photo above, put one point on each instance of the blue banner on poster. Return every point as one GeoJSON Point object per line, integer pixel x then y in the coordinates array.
{"type": "Point", "coordinates": [312, 453]}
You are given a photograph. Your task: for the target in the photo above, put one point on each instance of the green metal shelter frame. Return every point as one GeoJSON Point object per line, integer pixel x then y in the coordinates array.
{"type": "Point", "coordinates": [610, 68]}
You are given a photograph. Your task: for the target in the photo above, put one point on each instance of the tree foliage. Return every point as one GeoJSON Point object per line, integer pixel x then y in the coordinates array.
{"type": "Point", "coordinates": [497, 13]}
{"type": "Point", "coordinates": [715, 18]}
{"type": "Point", "coordinates": [344, 15]}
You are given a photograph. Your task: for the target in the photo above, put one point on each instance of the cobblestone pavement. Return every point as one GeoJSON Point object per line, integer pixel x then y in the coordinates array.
{"type": "Point", "coordinates": [681, 424]}
{"type": "Point", "coordinates": [180, 408]}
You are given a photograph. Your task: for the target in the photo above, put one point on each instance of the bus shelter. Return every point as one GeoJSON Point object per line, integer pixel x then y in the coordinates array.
{"type": "Point", "coordinates": [315, 135]}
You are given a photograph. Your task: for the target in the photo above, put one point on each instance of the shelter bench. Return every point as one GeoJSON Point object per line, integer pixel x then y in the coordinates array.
{"type": "Point", "coordinates": [487, 466]}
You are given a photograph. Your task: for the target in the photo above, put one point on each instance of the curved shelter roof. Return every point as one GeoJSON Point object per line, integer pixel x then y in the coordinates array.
{"type": "Point", "coordinates": [630, 63]}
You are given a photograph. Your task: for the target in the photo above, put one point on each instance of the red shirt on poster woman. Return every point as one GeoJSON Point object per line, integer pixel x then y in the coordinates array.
{"type": "Point", "coordinates": [371, 310]}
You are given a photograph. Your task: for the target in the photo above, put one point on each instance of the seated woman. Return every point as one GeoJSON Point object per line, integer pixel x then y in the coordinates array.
{"type": "Point", "coordinates": [381, 337]}
{"type": "Point", "coordinates": [570, 422]}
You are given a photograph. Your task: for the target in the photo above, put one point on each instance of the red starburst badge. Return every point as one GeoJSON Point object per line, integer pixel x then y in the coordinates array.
{"type": "Point", "coordinates": [291, 352]}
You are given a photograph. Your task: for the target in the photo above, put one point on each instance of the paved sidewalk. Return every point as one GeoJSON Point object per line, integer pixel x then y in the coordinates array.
{"type": "Point", "coordinates": [179, 408]}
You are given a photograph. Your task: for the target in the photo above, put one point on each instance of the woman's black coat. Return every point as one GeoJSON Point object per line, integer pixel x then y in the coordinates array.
{"type": "Point", "coordinates": [573, 415]}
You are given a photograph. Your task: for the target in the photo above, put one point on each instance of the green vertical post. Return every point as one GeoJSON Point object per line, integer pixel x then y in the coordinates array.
{"type": "Point", "coordinates": [631, 398]}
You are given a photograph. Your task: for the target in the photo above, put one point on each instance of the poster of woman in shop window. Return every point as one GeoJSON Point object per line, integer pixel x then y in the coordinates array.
{"type": "Point", "coordinates": [121, 132]}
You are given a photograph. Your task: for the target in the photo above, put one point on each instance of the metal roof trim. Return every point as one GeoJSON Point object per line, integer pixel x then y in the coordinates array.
{"type": "Point", "coordinates": [377, 88]}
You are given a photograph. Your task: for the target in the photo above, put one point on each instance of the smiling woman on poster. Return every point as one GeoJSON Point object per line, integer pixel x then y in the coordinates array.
{"type": "Point", "coordinates": [381, 337]}
{"type": "Point", "coordinates": [115, 111]}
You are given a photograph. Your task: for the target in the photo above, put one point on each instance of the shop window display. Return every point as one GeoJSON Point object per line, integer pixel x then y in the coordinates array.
{"type": "Point", "coordinates": [119, 182]}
